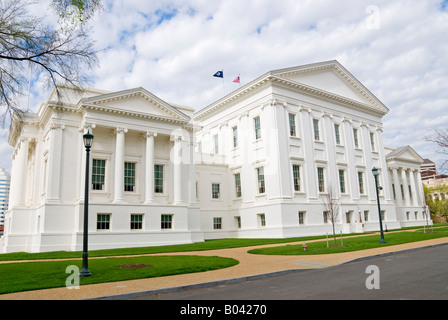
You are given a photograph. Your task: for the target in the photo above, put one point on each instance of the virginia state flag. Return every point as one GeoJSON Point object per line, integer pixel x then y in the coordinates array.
{"type": "Point", "coordinates": [219, 74]}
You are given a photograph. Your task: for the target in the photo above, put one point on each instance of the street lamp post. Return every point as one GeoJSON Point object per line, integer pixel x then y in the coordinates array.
{"type": "Point", "coordinates": [88, 140]}
{"type": "Point", "coordinates": [375, 174]}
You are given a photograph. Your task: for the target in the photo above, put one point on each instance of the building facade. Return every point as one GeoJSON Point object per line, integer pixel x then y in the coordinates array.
{"type": "Point", "coordinates": [259, 162]}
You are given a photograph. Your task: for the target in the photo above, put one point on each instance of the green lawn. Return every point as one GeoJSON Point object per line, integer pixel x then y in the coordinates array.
{"type": "Point", "coordinates": [199, 246]}
{"type": "Point", "coordinates": [17, 277]}
{"type": "Point", "coordinates": [23, 276]}
{"type": "Point", "coordinates": [353, 244]}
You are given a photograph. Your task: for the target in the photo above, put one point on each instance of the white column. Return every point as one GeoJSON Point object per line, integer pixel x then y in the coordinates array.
{"type": "Point", "coordinates": [192, 174]}
{"type": "Point", "coordinates": [18, 178]}
{"type": "Point", "coordinates": [419, 187]}
{"type": "Point", "coordinates": [398, 197]}
{"type": "Point", "coordinates": [177, 170]}
{"type": "Point", "coordinates": [415, 195]}
{"type": "Point", "coordinates": [352, 178]}
{"type": "Point", "coordinates": [310, 175]}
{"type": "Point", "coordinates": [119, 166]}
{"type": "Point", "coordinates": [149, 177]}
{"type": "Point", "coordinates": [404, 180]}
{"type": "Point", "coordinates": [54, 162]}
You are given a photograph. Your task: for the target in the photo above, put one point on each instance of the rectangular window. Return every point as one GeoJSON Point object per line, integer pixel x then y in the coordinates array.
{"type": "Point", "coordinates": [355, 137]}
{"type": "Point", "coordinates": [238, 185]}
{"type": "Point", "coordinates": [321, 179]}
{"type": "Point", "coordinates": [361, 182]}
{"type": "Point", "coordinates": [302, 217]}
{"type": "Point", "coordinates": [337, 134]}
{"type": "Point", "coordinates": [261, 220]}
{"type": "Point", "coordinates": [260, 177]}
{"type": "Point", "coordinates": [216, 140]}
{"type": "Point", "coordinates": [342, 181]}
{"type": "Point", "coordinates": [348, 217]}
{"type": "Point", "coordinates": [257, 128]}
{"type": "Point", "coordinates": [372, 141]}
{"type": "Point", "coordinates": [366, 215]}
{"type": "Point", "coordinates": [129, 176]}
{"type": "Point", "coordinates": [316, 129]}
{"type": "Point", "coordinates": [136, 221]}
{"type": "Point", "coordinates": [103, 221]}
{"type": "Point", "coordinates": [326, 217]}
{"type": "Point", "coordinates": [238, 222]}
{"type": "Point", "coordinates": [98, 174]}
{"type": "Point", "coordinates": [235, 136]}
{"type": "Point", "coordinates": [166, 221]}
{"type": "Point", "coordinates": [158, 178]}
{"type": "Point", "coordinates": [292, 125]}
{"type": "Point", "coordinates": [215, 191]}
{"type": "Point", "coordinates": [296, 177]}
{"type": "Point", "coordinates": [217, 223]}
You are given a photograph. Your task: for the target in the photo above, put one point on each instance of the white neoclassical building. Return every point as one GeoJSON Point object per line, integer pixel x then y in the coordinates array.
{"type": "Point", "coordinates": [259, 162]}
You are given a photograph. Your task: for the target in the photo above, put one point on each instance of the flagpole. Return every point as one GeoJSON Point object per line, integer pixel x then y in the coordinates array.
{"type": "Point", "coordinates": [223, 86]}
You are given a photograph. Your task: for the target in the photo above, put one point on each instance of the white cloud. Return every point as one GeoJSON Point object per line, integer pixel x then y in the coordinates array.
{"type": "Point", "coordinates": [172, 48]}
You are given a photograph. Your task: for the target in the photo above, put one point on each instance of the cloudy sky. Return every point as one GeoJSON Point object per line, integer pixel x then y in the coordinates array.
{"type": "Point", "coordinates": [397, 49]}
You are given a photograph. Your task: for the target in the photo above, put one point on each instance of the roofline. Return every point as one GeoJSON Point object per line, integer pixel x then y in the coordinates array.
{"type": "Point", "coordinates": [273, 74]}
{"type": "Point", "coordinates": [117, 94]}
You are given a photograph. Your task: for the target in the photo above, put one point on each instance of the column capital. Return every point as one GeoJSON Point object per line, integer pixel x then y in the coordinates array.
{"type": "Point", "coordinates": [150, 134]}
{"type": "Point", "coordinates": [119, 130]}
{"type": "Point", "coordinates": [87, 126]}
{"type": "Point", "coordinates": [177, 138]}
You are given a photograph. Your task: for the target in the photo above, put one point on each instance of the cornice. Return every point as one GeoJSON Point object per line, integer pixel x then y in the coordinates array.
{"type": "Point", "coordinates": [123, 112]}
{"type": "Point", "coordinates": [311, 91]}
{"type": "Point", "coordinates": [132, 93]}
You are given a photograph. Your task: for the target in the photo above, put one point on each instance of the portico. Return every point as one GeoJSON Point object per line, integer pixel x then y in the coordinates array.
{"type": "Point", "coordinates": [139, 158]}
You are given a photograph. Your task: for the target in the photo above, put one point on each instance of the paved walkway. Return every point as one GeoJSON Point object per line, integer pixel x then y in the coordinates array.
{"type": "Point", "coordinates": [249, 265]}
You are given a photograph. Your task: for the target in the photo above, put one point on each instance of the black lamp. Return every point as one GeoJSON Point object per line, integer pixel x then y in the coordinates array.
{"type": "Point", "coordinates": [88, 140]}
{"type": "Point", "coordinates": [375, 174]}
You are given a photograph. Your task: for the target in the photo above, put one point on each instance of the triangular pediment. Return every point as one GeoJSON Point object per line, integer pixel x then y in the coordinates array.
{"type": "Point", "coordinates": [333, 78]}
{"type": "Point", "coordinates": [136, 101]}
{"type": "Point", "coordinates": [404, 154]}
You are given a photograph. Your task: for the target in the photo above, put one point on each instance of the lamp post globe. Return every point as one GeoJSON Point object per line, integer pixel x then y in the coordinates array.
{"type": "Point", "coordinates": [88, 141]}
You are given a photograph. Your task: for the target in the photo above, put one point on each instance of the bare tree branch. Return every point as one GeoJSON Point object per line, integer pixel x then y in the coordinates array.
{"type": "Point", "coordinates": [62, 55]}
{"type": "Point", "coordinates": [440, 137]}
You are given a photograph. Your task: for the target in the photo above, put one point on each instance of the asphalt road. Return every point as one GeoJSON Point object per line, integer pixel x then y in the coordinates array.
{"type": "Point", "coordinates": [420, 274]}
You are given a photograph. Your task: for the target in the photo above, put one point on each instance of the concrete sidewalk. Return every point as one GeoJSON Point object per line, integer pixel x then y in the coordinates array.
{"type": "Point", "coordinates": [250, 265]}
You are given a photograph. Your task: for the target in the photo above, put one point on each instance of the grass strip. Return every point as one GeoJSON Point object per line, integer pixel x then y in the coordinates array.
{"type": "Point", "coordinates": [353, 243]}
{"type": "Point", "coordinates": [18, 277]}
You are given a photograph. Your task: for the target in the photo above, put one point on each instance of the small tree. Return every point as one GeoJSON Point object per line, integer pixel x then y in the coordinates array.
{"type": "Point", "coordinates": [425, 209]}
{"type": "Point", "coordinates": [332, 207]}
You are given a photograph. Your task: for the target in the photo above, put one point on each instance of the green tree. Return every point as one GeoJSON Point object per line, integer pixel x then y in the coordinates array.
{"type": "Point", "coordinates": [437, 200]}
